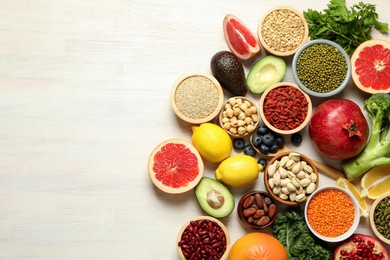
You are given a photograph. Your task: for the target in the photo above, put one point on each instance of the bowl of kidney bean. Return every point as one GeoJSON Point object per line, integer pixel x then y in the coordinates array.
{"type": "Point", "coordinates": [257, 209]}
{"type": "Point", "coordinates": [285, 108]}
{"type": "Point", "coordinates": [204, 237]}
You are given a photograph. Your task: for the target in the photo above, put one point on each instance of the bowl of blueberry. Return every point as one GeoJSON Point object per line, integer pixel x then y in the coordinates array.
{"type": "Point", "coordinates": [266, 141]}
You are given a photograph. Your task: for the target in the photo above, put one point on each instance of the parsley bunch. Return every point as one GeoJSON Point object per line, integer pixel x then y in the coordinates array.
{"type": "Point", "coordinates": [347, 27]}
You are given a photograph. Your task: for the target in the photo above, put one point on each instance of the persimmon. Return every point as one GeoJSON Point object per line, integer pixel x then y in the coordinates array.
{"type": "Point", "coordinates": [257, 246]}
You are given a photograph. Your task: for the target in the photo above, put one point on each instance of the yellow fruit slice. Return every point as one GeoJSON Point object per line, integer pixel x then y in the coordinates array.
{"type": "Point", "coordinates": [345, 184]}
{"type": "Point", "coordinates": [373, 177]}
{"type": "Point", "coordinates": [379, 189]}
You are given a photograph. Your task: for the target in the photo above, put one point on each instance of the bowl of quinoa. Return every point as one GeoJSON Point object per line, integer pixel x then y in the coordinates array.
{"type": "Point", "coordinates": [196, 98]}
{"type": "Point", "coordinates": [321, 68]}
{"type": "Point", "coordinates": [282, 30]}
{"type": "Point", "coordinates": [332, 213]}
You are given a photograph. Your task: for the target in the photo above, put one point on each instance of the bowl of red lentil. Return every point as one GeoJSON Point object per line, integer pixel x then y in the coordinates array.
{"type": "Point", "coordinates": [197, 98]}
{"type": "Point", "coordinates": [332, 214]}
{"type": "Point", "coordinates": [380, 217]}
{"type": "Point", "coordinates": [282, 30]}
{"type": "Point", "coordinates": [203, 237]}
{"type": "Point", "coordinates": [321, 68]}
{"type": "Point", "coordinates": [239, 116]}
{"type": "Point", "coordinates": [285, 108]}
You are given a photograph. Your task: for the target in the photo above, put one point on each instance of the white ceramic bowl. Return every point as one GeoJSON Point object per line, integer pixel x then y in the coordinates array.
{"type": "Point", "coordinates": [308, 90]}
{"type": "Point", "coordinates": [354, 225]}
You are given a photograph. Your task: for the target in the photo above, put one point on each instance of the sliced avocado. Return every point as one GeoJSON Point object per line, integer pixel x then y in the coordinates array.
{"type": "Point", "coordinates": [267, 71]}
{"type": "Point", "coordinates": [214, 198]}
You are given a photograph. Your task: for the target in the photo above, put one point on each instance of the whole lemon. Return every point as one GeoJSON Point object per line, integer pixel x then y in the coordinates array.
{"type": "Point", "coordinates": [239, 170]}
{"type": "Point", "coordinates": [212, 142]}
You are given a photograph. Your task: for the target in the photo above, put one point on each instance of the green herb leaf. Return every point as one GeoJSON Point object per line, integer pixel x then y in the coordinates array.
{"type": "Point", "coordinates": [347, 27]}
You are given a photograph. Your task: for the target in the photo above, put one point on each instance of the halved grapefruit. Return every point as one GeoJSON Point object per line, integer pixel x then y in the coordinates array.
{"type": "Point", "coordinates": [239, 38]}
{"type": "Point", "coordinates": [175, 166]}
{"type": "Point", "coordinates": [371, 66]}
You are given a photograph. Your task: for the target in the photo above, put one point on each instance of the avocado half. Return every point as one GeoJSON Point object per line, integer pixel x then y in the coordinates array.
{"type": "Point", "coordinates": [267, 71]}
{"type": "Point", "coordinates": [214, 198]}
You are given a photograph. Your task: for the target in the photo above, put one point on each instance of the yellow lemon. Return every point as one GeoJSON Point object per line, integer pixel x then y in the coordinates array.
{"type": "Point", "coordinates": [239, 170]}
{"type": "Point", "coordinates": [374, 177]}
{"type": "Point", "coordinates": [379, 189]}
{"type": "Point", "coordinates": [345, 184]}
{"type": "Point", "coordinates": [212, 142]}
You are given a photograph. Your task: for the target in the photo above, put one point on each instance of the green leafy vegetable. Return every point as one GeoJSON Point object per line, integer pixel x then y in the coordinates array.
{"type": "Point", "coordinates": [377, 150]}
{"type": "Point", "coordinates": [291, 230]}
{"type": "Point", "coordinates": [347, 27]}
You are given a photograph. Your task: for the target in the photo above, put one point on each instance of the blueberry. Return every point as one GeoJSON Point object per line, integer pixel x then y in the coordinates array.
{"type": "Point", "coordinates": [273, 148]}
{"type": "Point", "coordinates": [268, 139]}
{"type": "Point", "coordinates": [256, 141]}
{"type": "Point", "coordinates": [249, 150]}
{"type": "Point", "coordinates": [263, 162]}
{"type": "Point", "coordinates": [264, 149]}
{"type": "Point", "coordinates": [239, 143]}
{"type": "Point", "coordinates": [296, 138]}
{"type": "Point", "coordinates": [279, 140]}
{"type": "Point", "coordinates": [262, 130]}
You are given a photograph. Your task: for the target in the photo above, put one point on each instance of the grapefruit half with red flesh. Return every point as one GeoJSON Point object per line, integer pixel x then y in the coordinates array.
{"type": "Point", "coordinates": [371, 66]}
{"type": "Point", "coordinates": [239, 38]}
{"type": "Point", "coordinates": [175, 166]}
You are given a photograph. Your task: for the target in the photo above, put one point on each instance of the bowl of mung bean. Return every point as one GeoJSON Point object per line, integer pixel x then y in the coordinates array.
{"type": "Point", "coordinates": [282, 30]}
{"type": "Point", "coordinates": [285, 108]}
{"type": "Point", "coordinates": [321, 68]}
{"type": "Point", "coordinates": [332, 213]}
{"type": "Point", "coordinates": [197, 98]}
{"type": "Point", "coordinates": [239, 116]}
{"type": "Point", "coordinates": [380, 218]}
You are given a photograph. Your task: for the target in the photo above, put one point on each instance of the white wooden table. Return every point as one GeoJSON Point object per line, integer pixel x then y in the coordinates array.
{"type": "Point", "coordinates": [84, 99]}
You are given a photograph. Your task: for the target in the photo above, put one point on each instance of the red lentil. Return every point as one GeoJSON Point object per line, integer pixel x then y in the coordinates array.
{"type": "Point", "coordinates": [285, 107]}
{"type": "Point", "coordinates": [331, 213]}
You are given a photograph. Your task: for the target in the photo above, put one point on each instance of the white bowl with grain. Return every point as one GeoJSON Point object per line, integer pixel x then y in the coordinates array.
{"type": "Point", "coordinates": [282, 30]}
{"type": "Point", "coordinates": [196, 98]}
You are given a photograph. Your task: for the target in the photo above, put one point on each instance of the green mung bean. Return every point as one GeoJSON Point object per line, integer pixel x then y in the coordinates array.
{"type": "Point", "coordinates": [382, 217]}
{"type": "Point", "coordinates": [321, 67]}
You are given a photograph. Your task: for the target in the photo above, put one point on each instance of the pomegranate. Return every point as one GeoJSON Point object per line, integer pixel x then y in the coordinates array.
{"type": "Point", "coordinates": [360, 246]}
{"type": "Point", "coordinates": [338, 129]}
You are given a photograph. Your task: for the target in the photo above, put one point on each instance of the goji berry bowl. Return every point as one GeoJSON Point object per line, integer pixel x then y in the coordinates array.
{"type": "Point", "coordinates": [332, 213]}
{"type": "Point", "coordinates": [204, 237]}
{"type": "Point", "coordinates": [239, 116]}
{"type": "Point", "coordinates": [285, 108]}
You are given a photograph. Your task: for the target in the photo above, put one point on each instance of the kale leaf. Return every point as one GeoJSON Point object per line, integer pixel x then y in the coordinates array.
{"type": "Point", "coordinates": [291, 230]}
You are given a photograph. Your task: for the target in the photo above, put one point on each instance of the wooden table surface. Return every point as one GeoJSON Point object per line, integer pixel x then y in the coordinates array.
{"type": "Point", "coordinates": [84, 99]}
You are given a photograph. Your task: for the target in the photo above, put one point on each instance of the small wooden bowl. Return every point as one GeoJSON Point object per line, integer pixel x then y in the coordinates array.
{"type": "Point", "coordinates": [240, 209]}
{"type": "Point", "coordinates": [273, 128]}
{"type": "Point", "coordinates": [219, 223]}
{"type": "Point", "coordinates": [266, 177]}
{"type": "Point", "coordinates": [273, 50]}
{"type": "Point", "coordinates": [196, 97]}
{"type": "Point", "coordinates": [372, 223]}
{"type": "Point", "coordinates": [255, 115]}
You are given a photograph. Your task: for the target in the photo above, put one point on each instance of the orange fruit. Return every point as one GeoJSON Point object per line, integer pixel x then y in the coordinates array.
{"type": "Point", "coordinates": [255, 246]}
{"type": "Point", "coordinates": [370, 64]}
{"type": "Point", "coordinates": [175, 166]}
{"type": "Point", "coordinates": [373, 177]}
{"type": "Point", "coordinates": [345, 184]}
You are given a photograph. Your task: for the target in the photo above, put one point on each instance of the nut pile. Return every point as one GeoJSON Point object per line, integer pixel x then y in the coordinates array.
{"type": "Point", "coordinates": [239, 116]}
{"type": "Point", "coordinates": [291, 178]}
{"type": "Point", "coordinates": [283, 30]}
{"type": "Point", "coordinates": [258, 210]}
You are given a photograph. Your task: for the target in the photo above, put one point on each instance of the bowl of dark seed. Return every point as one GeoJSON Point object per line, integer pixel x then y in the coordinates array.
{"type": "Point", "coordinates": [321, 68]}
{"type": "Point", "coordinates": [203, 237]}
{"type": "Point", "coordinates": [380, 218]}
{"type": "Point", "coordinates": [282, 30]}
{"type": "Point", "coordinates": [196, 98]}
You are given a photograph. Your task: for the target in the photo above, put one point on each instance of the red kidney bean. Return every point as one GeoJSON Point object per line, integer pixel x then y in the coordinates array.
{"type": "Point", "coordinates": [203, 239]}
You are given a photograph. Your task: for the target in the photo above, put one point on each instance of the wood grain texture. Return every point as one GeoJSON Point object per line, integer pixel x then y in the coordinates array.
{"type": "Point", "coordinates": [84, 99]}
